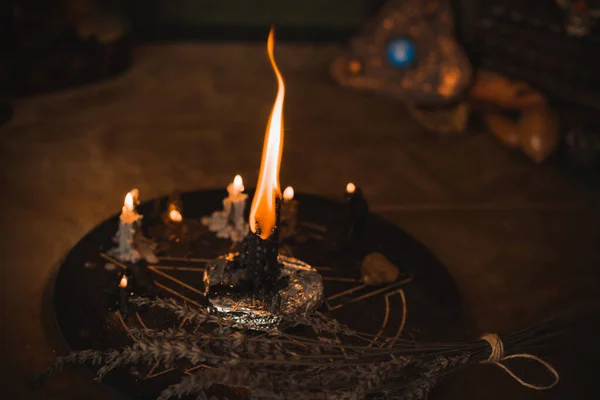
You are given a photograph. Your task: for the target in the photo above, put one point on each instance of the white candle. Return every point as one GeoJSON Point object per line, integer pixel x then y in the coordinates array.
{"type": "Point", "coordinates": [237, 199]}
{"type": "Point", "coordinates": [230, 222]}
{"type": "Point", "coordinates": [128, 221]}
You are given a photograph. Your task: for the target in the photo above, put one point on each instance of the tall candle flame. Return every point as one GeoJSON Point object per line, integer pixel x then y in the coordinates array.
{"type": "Point", "coordinates": [263, 209]}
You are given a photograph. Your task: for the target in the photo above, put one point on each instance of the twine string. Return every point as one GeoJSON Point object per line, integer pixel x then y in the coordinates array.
{"type": "Point", "coordinates": [497, 356]}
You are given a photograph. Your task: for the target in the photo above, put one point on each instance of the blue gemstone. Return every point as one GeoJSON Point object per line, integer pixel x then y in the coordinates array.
{"type": "Point", "coordinates": [401, 52]}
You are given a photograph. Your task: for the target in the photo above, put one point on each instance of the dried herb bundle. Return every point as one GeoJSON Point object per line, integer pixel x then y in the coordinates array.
{"type": "Point", "coordinates": [333, 362]}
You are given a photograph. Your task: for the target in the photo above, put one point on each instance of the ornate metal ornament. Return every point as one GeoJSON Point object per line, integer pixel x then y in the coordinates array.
{"type": "Point", "coordinates": [407, 52]}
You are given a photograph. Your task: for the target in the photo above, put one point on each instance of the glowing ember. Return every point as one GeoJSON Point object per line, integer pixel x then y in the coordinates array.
{"type": "Point", "coordinates": [288, 193]}
{"type": "Point", "coordinates": [263, 210]}
{"type": "Point", "coordinates": [123, 282]}
{"type": "Point", "coordinates": [350, 188]}
{"type": "Point", "coordinates": [175, 215]}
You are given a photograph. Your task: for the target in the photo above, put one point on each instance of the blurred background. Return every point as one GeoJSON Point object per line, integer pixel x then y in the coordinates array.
{"type": "Point", "coordinates": [539, 57]}
{"type": "Point", "coordinates": [471, 124]}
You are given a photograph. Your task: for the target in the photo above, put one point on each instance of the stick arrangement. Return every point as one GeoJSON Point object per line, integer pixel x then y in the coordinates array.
{"type": "Point", "coordinates": [332, 362]}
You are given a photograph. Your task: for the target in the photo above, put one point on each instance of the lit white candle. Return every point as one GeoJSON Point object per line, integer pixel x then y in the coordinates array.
{"type": "Point", "coordinates": [230, 222]}
{"type": "Point", "coordinates": [237, 199]}
{"type": "Point", "coordinates": [128, 221]}
{"type": "Point", "coordinates": [131, 244]}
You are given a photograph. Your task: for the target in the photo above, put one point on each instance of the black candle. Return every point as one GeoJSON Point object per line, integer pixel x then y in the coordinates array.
{"type": "Point", "coordinates": [259, 256]}
{"type": "Point", "coordinates": [256, 288]}
{"type": "Point", "coordinates": [252, 288]}
{"type": "Point", "coordinates": [357, 212]}
{"type": "Point", "coordinates": [257, 265]}
{"type": "Point", "coordinates": [124, 292]}
{"type": "Point", "coordinates": [289, 212]}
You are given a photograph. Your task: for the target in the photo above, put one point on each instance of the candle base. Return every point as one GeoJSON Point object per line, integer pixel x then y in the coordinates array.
{"type": "Point", "coordinates": [232, 294]}
{"type": "Point", "coordinates": [220, 223]}
{"type": "Point", "coordinates": [125, 254]}
{"type": "Point", "coordinates": [133, 247]}
{"type": "Point", "coordinates": [229, 223]}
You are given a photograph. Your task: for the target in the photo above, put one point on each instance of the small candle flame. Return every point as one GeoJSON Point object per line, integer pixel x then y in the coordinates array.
{"type": "Point", "coordinates": [263, 209]}
{"type": "Point", "coordinates": [129, 202]}
{"type": "Point", "coordinates": [123, 282]}
{"type": "Point", "coordinates": [288, 193]}
{"type": "Point", "coordinates": [175, 215]}
{"type": "Point", "coordinates": [238, 184]}
{"type": "Point", "coordinates": [350, 188]}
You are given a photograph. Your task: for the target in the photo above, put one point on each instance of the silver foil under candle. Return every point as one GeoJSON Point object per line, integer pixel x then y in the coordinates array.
{"type": "Point", "coordinates": [300, 292]}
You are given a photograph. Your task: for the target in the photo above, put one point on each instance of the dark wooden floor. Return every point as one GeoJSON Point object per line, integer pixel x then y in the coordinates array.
{"type": "Point", "coordinates": [521, 240]}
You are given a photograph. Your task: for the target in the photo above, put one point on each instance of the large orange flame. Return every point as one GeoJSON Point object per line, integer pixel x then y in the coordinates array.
{"type": "Point", "coordinates": [262, 212]}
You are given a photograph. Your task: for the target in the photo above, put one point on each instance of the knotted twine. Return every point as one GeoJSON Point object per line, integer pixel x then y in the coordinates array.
{"type": "Point", "coordinates": [497, 356]}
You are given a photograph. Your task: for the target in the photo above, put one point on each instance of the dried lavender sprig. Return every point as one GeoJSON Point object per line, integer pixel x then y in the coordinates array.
{"type": "Point", "coordinates": [169, 333]}
{"type": "Point", "coordinates": [320, 323]}
{"type": "Point", "coordinates": [435, 369]}
{"type": "Point", "coordinates": [166, 351]}
{"type": "Point", "coordinates": [185, 311]}
{"type": "Point", "coordinates": [94, 357]}
{"type": "Point", "coordinates": [201, 315]}
{"type": "Point", "coordinates": [277, 348]}
{"type": "Point", "coordinates": [292, 361]}
{"type": "Point", "coordinates": [232, 377]}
